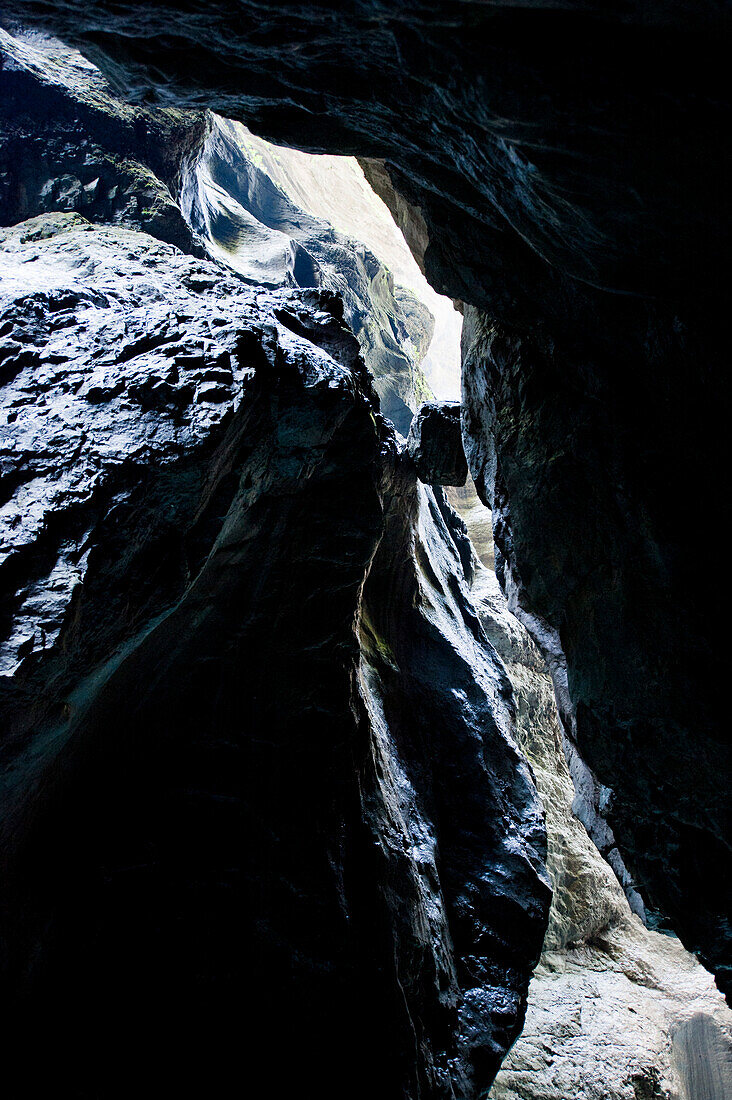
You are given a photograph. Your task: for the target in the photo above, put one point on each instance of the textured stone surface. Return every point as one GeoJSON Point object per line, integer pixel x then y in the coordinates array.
{"type": "Point", "coordinates": [538, 156]}
{"type": "Point", "coordinates": [555, 440]}
{"type": "Point", "coordinates": [435, 444]}
{"type": "Point", "coordinates": [244, 208]}
{"type": "Point", "coordinates": [444, 720]}
{"type": "Point", "coordinates": [630, 1017]}
{"type": "Point", "coordinates": [214, 797]}
{"type": "Point", "coordinates": [577, 198]}
{"type": "Point", "coordinates": [466, 501]}
{"type": "Point", "coordinates": [68, 144]}
{"type": "Point", "coordinates": [118, 356]}
{"type": "Point", "coordinates": [333, 189]}
{"type": "Point", "coordinates": [611, 1001]}
{"type": "Point", "coordinates": [638, 671]}
{"type": "Point", "coordinates": [202, 796]}
{"type": "Point", "coordinates": [616, 1011]}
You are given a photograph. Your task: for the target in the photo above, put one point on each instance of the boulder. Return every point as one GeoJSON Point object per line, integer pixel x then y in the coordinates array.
{"type": "Point", "coordinates": [261, 786]}
{"type": "Point", "coordinates": [435, 444]}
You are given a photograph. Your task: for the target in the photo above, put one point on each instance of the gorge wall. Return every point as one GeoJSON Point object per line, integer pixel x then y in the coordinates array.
{"type": "Point", "coordinates": [575, 199]}
{"type": "Point", "coordinates": [612, 1005]}
{"type": "Point", "coordinates": [263, 811]}
{"type": "Point", "coordinates": [234, 622]}
{"type": "Point", "coordinates": [210, 786]}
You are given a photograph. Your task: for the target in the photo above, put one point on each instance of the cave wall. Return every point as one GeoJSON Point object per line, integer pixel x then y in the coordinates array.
{"type": "Point", "coordinates": [565, 169]}
{"type": "Point", "coordinates": [616, 606]}
{"type": "Point", "coordinates": [263, 815]}
{"type": "Point", "coordinates": [68, 144]}
{"type": "Point", "coordinates": [219, 798]}
{"type": "Point", "coordinates": [616, 1010]}
{"type": "Point", "coordinates": [244, 213]}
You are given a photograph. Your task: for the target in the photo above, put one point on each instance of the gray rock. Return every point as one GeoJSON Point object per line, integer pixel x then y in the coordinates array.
{"type": "Point", "coordinates": [577, 205]}
{"type": "Point", "coordinates": [67, 143]}
{"type": "Point", "coordinates": [239, 199]}
{"type": "Point", "coordinates": [257, 749]}
{"type": "Point", "coordinates": [467, 503]}
{"type": "Point", "coordinates": [616, 1011]}
{"type": "Point", "coordinates": [435, 444]}
{"type": "Point", "coordinates": [577, 202]}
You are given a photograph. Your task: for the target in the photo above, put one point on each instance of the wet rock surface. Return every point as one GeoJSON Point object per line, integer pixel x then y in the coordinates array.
{"type": "Point", "coordinates": [211, 782]}
{"type": "Point", "coordinates": [582, 414]}
{"type": "Point", "coordinates": [577, 200]}
{"type": "Point", "coordinates": [616, 1011]}
{"type": "Point", "coordinates": [431, 685]}
{"type": "Point", "coordinates": [435, 444]}
{"type": "Point", "coordinates": [238, 199]}
{"type": "Point", "coordinates": [638, 668]}
{"type": "Point", "coordinates": [467, 503]}
{"type": "Point", "coordinates": [68, 144]}
{"type": "Point", "coordinates": [121, 357]}
{"type": "Point", "coordinates": [536, 156]}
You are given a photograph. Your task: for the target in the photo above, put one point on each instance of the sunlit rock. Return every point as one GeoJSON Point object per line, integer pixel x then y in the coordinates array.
{"type": "Point", "coordinates": [575, 204]}
{"type": "Point", "coordinates": [616, 1011]}
{"type": "Point", "coordinates": [68, 144]}
{"type": "Point", "coordinates": [243, 204]}
{"type": "Point", "coordinates": [212, 548]}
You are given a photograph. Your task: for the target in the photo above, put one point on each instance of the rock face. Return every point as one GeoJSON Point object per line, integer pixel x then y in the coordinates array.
{"type": "Point", "coordinates": [629, 1016]}
{"type": "Point", "coordinates": [67, 144]}
{"type": "Point", "coordinates": [467, 503]}
{"type": "Point", "coordinates": [230, 194]}
{"type": "Point", "coordinates": [612, 1003]}
{"type": "Point", "coordinates": [334, 189]}
{"type": "Point", "coordinates": [214, 798]}
{"type": "Point", "coordinates": [616, 1011]}
{"type": "Point", "coordinates": [431, 684]}
{"type": "Point", "coordinates": [632, 725]}
{"type": "Point", "coordinates": [258, 752]}
{"type": "Point", "coordinates": [435, 444]}
{"type": "Point", "coordinates": [229, 766]}
{"type": "Point", "coordinates": [575, 199]}
{"type": "Point", "coordinates": [106, 372]}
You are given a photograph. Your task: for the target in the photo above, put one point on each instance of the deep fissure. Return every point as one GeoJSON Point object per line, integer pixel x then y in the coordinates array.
{"type": "Point", "coordinates": [267, 710]}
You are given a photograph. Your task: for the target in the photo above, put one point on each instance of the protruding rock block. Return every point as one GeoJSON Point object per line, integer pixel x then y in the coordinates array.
{"type": "Point", "coordinates": [200, 493]}
{"type": "Point", "coordinates": [435, 444]}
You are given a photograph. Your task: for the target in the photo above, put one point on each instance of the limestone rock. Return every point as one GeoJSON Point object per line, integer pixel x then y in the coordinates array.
{"type": "Point", "coordinates": [578, 202]}
{"type": "Point", "coordinates": [243, 203]}
{"type": "Point", "coordinates": [577, 206]}
{"type": "Point", "coordinates": [435, 444]}
{"type": "Point", "coordinates": [616, 1011]}
{"type": "Point", "coordinates": [67, 143]}
{"type": "Point", "coordinates": [214, 795]}
{"type": "Point", "coordinates": [465, 500]}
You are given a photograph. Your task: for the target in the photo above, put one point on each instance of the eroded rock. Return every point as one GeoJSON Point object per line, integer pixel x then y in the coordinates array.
{"type": "Point", "coordinates": [68, 144]}
{"type": "Point", "coordinates": [213, 797]}
{"type": "Point", "coordinates": [240, 201]}
{"type": "Point", "coordinates": [435, 444]}
{"type": "Point", "coordinates": [616, 1011]}
{"type": "Point", "coordinates": [577, 201]}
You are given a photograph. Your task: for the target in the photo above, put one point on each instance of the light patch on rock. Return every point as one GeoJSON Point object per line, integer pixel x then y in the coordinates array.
{"type": "Point", "coordinates": [335, 190]}
{"type": "Point", "coordinates": [616, 1011]}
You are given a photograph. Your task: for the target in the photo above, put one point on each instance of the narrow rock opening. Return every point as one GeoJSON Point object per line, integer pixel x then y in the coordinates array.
{"type": "Point", "coordinates": [599, 961]}
{"type": "Point", "coordinates": [274, 738]}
